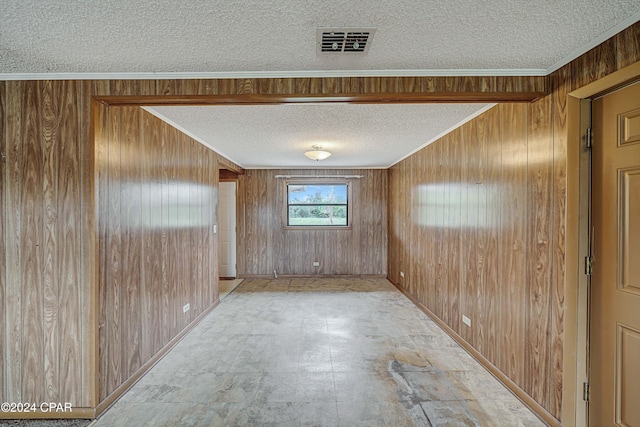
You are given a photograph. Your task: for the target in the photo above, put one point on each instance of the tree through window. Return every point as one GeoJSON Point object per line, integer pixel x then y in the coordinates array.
{"type": "Point", "coordinates": [317, 204]}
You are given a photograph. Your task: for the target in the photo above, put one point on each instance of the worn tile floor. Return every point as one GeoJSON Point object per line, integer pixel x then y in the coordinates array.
{"type": "Point", "coordinates": [225, 287]}
{"type": "Point", "coordinates": [317, 352]}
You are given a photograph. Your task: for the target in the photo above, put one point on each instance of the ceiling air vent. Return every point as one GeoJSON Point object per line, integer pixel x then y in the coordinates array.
{"type": "Point", "coordinates": [344, 40]}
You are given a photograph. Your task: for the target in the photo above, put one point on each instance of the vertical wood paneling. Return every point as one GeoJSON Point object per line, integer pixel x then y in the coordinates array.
{"type": "Point", "coordinates": [454, 213]}
{"type": "Point", "coordinates": [155, 254]}
{"type": "Point", "coordinates": [561, 83]}
{"type": "Point", "coordinates": [513, 239]}
{"type": "Point", "coordinates": [417, 227]}
{"type": "Point", "coordinates": [469, 231]}
{"type": "Point", "coordinates": [393, 221]}
{"type": "Point", "coordinates": [13, 295]}
{"type": "Point", "coordinates": [308, 85]}
{"type": "Point", "coordinates": [494, 218]}
{"type": "Point", "coordinates": [149, 324]}
{"type": "Point", "coordinates": [102, 220]}
{"type": "Point", "coordinates": [195, 217]}
{"type": "Point", "coordinates": [480, 207]}
{"type": "Point", "coordinates": [432, 204]}
{"type": "Point", "coordinates": [628, 46]}
{"type": "Point", "coordinates": [168, 210]}
{"type": "Point", "coordinates": [404, 206]}
{"type": "Point", "coordinates": [177, 200]}
{"type": "Point", "coordinates": [361, 250]}
{"type": "Point", "coordinates": [285, 86]}
{"type": "Point", "coordinates": [50, 274]}
{"type": "Point", "coordinates": [195, 87]}
{"type": "Point", "coordinates": [152, 207]}
{"type": "Point", "coordinates": [489, 130]}
{"type": "Point", "coordinates": [409, 84]}
{"type": "Point", "coordinates": [69, 242]}
{"type": "Point", "coordinates": [439, 229]}
{"type": "Point", "coordinates": [199, 152]}
{"type": "Point", "coordinates": [540, 199]}
{"type": "Point", "coordinates": [595, 64]}
{"type": "Point", "coordinates": [130, 198]}
{"type": "Point", "coordinates": [249, 86]}
{"type": "Point", "coordinates": [88, 255]}
{"type": "Point", "coordinates": [113, 257]}
{"type": "Point", "coordinates": [445, 242]}
{"type": "Point", "coordinates": [31, 265]}
{"type": "Point", "coordinates": [3, 250]}
{"type": "Point", "coordinates": [185, 233]}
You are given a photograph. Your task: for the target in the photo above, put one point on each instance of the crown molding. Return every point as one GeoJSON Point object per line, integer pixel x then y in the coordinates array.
{"type": "Point", "coordinates": [275, 74]}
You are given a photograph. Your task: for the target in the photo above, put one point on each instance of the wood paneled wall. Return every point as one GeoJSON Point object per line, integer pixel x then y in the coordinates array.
{"type": "Point", "coordinates": [477, 224]}
{"type": "Point", "coordinates": [3, 251]}
{"type": "Point", "coordinates": [156, 208]}
{"type": "Point", "coordinates": [51, 244]}
{"type": "Point", "coordinates": [264, 245]}
{"type": "Point", "coordinates": [44, 308]}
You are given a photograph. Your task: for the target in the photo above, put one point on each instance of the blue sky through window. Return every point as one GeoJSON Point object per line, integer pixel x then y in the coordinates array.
{"type": "Point", "coordinates": [318, 193]}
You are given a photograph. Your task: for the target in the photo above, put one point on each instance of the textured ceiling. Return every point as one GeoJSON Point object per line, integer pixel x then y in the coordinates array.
{"type": "Point", "coordinates": [358, 135]}
{"type": "Point", "coordinates": [277, 38]}
{"type": "Point", "coordinates": [145, 36]}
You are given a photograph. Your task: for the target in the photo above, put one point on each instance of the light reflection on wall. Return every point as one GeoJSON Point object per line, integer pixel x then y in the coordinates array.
{"type": "Point", "coordinates": [437, 205]}
{"type": "Point", "coordinates": [174, 205]}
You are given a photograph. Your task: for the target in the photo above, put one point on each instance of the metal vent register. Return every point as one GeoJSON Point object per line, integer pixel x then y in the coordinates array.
{"type": "Point", "coordinates": [344, 40]}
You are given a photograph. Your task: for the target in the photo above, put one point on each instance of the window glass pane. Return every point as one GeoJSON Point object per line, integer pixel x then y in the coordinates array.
{"type": "Point", "coordinates": [317, 215]}
{"type": "Point", "coordinates": [317, 194]}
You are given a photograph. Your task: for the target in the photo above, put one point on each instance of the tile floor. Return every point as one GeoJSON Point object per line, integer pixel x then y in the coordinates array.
{"type": "Point", "coordinates": [317, 352]}
{"type": "Point", "coordinates": [225, 287]}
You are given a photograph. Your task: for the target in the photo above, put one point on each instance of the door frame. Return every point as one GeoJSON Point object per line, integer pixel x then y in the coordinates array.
{"type": "Point", "coordinates": [576, 350]}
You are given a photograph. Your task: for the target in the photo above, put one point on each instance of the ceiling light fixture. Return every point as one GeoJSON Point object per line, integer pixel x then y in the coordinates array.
{"type": "Point", "coordinates": [317, 153]}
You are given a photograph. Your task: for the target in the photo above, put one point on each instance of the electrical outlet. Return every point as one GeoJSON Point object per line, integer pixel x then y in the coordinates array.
{"type": "Point", "coordinates": [186, 308]}
{"type": "Point", "coordinates": [316, 264]}
{"type": "Point", "coordinates": [466, 320]}
{"type": "Point", "coordinates": [402, 274]}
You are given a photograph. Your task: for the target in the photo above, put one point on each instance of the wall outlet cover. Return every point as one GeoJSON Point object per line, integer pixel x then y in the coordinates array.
{"type": "Point", "coordinates": [466, 320]}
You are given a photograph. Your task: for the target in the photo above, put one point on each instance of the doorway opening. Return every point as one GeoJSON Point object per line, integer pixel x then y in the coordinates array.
{"type": "Point", "coordinates": [227, 201]}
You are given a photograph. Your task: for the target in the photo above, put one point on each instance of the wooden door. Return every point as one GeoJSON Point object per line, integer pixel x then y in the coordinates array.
{"type": "Point", "coordinates": [227, 223]}
{"type": "Point", "coordinates": [615, 287]}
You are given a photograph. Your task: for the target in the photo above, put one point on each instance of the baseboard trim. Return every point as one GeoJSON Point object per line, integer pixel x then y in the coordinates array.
{"type": "Point", "coordinates": [124, 387]}
{"type": "Point", "coordinates": [75, 413]}
{"type": "Point", "coordinates": [313, 276]}
{"type": "Point", "coordinates": [535, 407]}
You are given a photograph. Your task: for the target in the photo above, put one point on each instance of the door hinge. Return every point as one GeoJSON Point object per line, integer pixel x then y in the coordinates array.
{"type": "Point", "coordinates": [589, 138]}
{"type": "Point", "coordinates": [585, 391]}
{"type": "Point", "coordinates": [588, 265]}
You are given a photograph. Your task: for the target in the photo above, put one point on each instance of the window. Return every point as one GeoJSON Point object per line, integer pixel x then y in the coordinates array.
{"type": "Point", "coordinates": [313, 204]}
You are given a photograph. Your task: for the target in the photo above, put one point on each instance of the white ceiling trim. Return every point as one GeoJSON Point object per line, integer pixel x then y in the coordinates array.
{"type": "Point", "coordinates": [595, 42]}
{"type": "Point", "coordinates": [188, 133]}
{"type": "Point", "coordinates": [446, 132]}
{"type": "Point", "coordinates": [273, 74]}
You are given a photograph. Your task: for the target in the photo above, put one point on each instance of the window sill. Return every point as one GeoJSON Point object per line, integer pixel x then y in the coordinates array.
{"type": "Point", "coordinates": [318, 227]}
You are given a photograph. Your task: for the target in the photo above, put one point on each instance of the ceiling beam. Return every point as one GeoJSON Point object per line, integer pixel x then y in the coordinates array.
{"type": "Point", "coordinates": [370, 98]}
